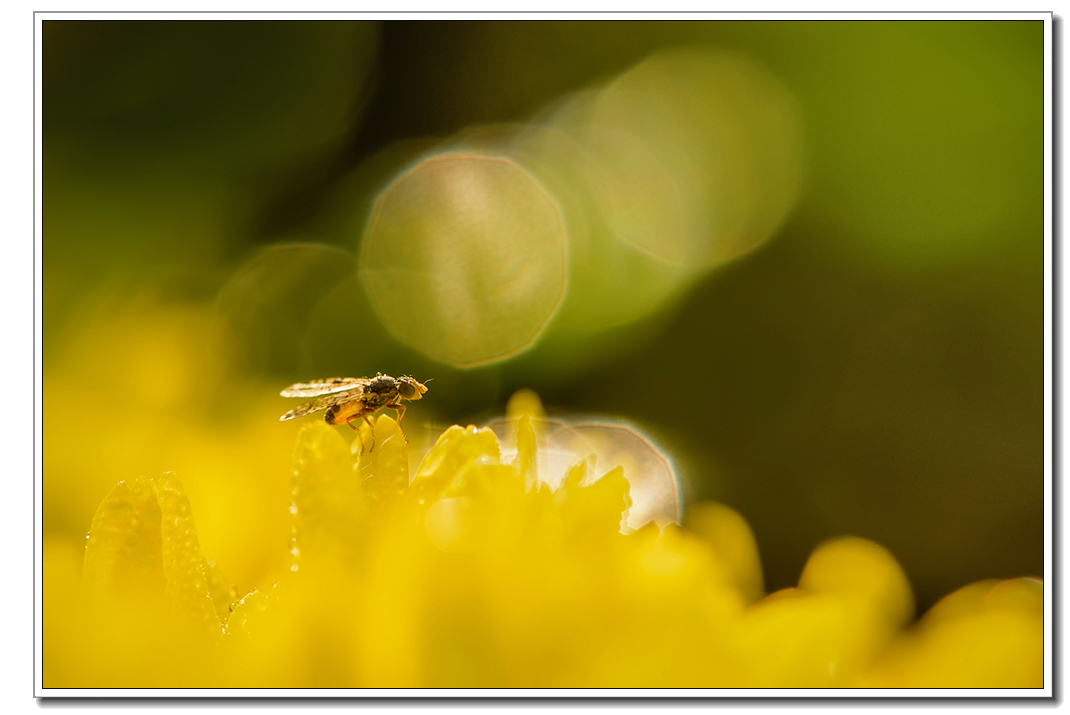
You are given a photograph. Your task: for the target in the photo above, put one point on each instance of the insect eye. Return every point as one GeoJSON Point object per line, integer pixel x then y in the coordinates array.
{"type": "Point", "coordinates": [406, 390]}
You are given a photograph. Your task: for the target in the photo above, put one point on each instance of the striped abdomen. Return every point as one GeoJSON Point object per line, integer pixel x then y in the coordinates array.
{"type": "Point", "coordinates": [340, 414]}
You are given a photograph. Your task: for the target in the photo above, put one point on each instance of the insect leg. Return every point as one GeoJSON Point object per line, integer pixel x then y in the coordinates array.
{"type": "Point", "coordinates": [364, 416]}
{"type": "Point", "coordinates": [370, 426]}
{"type": "Point", "coordinates": [401, 413]}
{"type": "Point", "coordinates": [356, 429]}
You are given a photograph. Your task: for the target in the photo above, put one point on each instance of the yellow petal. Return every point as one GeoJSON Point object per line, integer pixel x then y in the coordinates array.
{"type": "Point", "coordinates": [731, 538]}
{"type": "Point", "coordinates": [384, 462]}
{"type": "Point", "coordinates": [526, 451]}
{"type": "Point", "coordinates": [852, 599]}
{"type": "Point", "coordinates": [456, 449]}
{"type": "Point", "coordinates": [329, 508]}
{"type": "Point", "coordinates": [184, 565]}
{"type": "Point", "coordinates": [599, 507]}
{"type": "Point", "coordinates": [798, 639]}
{"type": "Point", "coordinates": [143, 537]}
{"type": "Point", "coordinates": [986, 635]}
{"type": "Point", "coordinates": [124, 548]}
{"type": "Point", "coordinates": [856, 566]}
{"type": "Point", "coordinates": [525, 403]}
{"type": "Point", "coordinates": [224, 594]}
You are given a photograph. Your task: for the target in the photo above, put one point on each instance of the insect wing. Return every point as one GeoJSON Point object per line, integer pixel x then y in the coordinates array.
{"type": "Point", "coordinates": [322, 403]}
{"type": "Point", "coordinates": [324, 387]}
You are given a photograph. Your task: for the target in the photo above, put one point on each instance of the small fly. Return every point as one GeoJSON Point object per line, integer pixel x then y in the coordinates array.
{"type": "Point", "coordinates": [348, 399]}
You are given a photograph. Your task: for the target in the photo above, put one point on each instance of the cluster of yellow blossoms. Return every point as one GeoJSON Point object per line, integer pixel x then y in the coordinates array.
{"type": "Point", "coordinates": [477, 574]}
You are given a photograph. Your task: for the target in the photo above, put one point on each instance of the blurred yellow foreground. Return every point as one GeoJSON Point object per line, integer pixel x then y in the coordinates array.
{"type": "Point", "coordinates": [477, 575]}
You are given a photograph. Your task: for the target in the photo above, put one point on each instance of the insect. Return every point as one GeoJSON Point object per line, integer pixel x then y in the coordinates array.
{"type": "Point", "coordinates": [348, 399]}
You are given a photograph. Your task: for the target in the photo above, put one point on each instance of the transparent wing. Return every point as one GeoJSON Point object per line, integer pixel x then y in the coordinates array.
{"type": "Point", "coordinates": [322, 403]}
{"type": "Point", "coordinates": [324, 387]}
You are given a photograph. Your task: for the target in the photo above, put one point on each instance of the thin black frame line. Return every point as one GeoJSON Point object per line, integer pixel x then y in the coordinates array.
{"type": "Point", "coordinates": [33, 372]}
{"type": "Point", "coordinates": [503, 700]}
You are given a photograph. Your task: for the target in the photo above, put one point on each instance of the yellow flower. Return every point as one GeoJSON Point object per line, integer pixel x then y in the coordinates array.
{"type": "Point", "coordinates": [988, 634]}
{"type": "Point", "coordinates": [478, 574]}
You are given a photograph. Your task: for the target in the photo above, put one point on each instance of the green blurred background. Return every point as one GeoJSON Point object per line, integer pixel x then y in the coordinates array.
{"type": "Point", "coordinates": [875, 369]}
